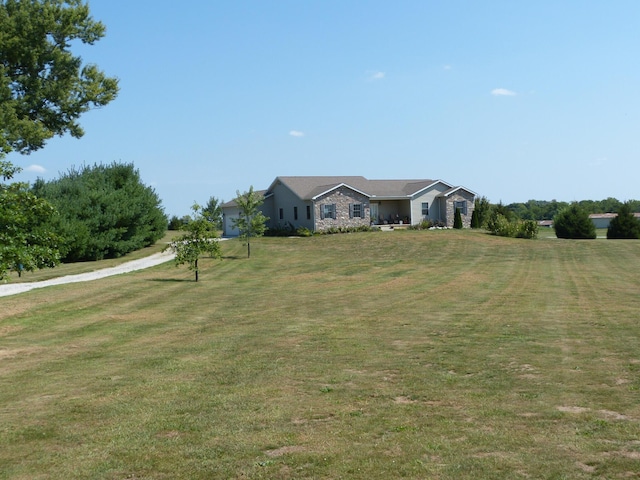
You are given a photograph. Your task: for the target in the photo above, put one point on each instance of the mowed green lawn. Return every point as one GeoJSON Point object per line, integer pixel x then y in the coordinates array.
{"type": "Point", "coordinates": [443, 355]}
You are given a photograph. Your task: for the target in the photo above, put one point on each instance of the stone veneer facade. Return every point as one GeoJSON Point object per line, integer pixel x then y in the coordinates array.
{"type": "Point", "coordinates": [457, 197]}
{"type": "Point", "coordinates": [342, 197]}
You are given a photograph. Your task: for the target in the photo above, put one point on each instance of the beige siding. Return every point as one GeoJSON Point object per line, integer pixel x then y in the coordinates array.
{"type": "Point", "coordinates": [230, 213]}
{"type": "Point", "coordinates": [286, 200]}
{"type": "Point", "coordinates": [267, 209]}
{"type": "Point", "coordinates": [429, 196]}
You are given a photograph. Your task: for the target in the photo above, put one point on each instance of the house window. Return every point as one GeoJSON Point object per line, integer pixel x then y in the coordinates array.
{"type": "Point", "coordinates": [425, 209]}
{"type": "Point", "coordinates": [295, 213]}
{"type": "Point", "coordinates": [328, 210]}
{"type": "Point", "coordinates": [355, 210]}
{"type": "Point", "coordinates": [281, 212]}
{"type": "Point", "coordinates": [308, 212]}
{"type": "Point", "coordinates": [461, 205]}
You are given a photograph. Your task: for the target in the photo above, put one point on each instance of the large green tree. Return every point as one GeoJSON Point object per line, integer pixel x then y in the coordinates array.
{"type": "Point", "coordinates": [26, 243]}
{"type": "Point", "coordinates": [44, 88]}
{"type": "Point", "coordinates": [251, 221]}
{"type": "Point", "coordinates": [625, 225]}
{"type": "Point", "coordinates": [105, 211]}
{"type": "Point", "coordinates": [574, 222]}
{"type": "Point", "coordinates": [199, 237]}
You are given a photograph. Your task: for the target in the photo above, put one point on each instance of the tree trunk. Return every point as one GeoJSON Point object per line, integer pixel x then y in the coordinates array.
{"type": "Point", "coordinates": [196, 269]}
{"type": "Point", "coordinates": [248, 249]}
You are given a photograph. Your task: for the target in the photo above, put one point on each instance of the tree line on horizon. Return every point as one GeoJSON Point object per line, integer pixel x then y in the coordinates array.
{"type": "Point", "coordinates": [570, 220]}
{"type": "Point", "coordinates": [547, 210]}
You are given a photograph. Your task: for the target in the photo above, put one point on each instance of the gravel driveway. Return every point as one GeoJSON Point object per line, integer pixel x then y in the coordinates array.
{"type": "Point", "coordinates": [156, 259]}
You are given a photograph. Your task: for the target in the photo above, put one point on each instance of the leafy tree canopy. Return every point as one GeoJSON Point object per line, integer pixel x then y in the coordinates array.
{"type": "Point", "coordinates": [44, 88]}
{"type": "Point", "coordinates": [178, 223]}
{"type": "Point", "coordinates": [213, 212]}
{"type": "Point", "coordinates": [546, 210]}
{"type": "Point", "coordinates": [574, 222]}
{"type": "Point", "coordinates": [251, 222]}
{"type": "Point", "coordinates": [26, 243]}
{"type": "Point", "coordinates": [481, 212]}
{"type": "Point", "coordinates": [199, 238]}
{"type": "Point", "coordinates": [105, 211]}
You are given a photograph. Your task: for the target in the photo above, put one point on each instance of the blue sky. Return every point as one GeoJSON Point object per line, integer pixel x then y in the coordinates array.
{"type": "Point", "coordinates": [515, 100]}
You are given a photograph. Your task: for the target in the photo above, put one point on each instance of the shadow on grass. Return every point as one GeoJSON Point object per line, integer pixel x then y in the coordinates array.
{"type": "Point", "coordinates": [171, 280]}
{"type": "Point", "coordinates": [232, 257]}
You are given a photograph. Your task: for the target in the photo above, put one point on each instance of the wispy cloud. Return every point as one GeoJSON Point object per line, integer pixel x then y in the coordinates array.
{"type": "Point", "coordinates": [296, 133]}
{"type": "Point", "coordinates": [502, 92]}
{"type": "Point", "coordinates": [372, 76]}
{"type": "Point", "coordinates": [35, 169]}
{"type": "Point", "coordinates": [598, 162]}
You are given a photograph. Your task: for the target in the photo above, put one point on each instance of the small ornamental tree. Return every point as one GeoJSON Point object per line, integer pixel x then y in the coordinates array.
{"type": "Point", "coordinates": [574, 222]}
{"type": "Point", "coordinates": [200, 237]}
{"type": "Point", "coordinates": [457, 219]}
{"type": "Point", "coordinates": [251, 222]}
{"type": "Point", "coordinates": [475, 222]}
{"type": "Point", "coordinates": [625, 225]}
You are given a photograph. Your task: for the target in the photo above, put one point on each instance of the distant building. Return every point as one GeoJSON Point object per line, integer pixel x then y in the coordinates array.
{"type": "Point", "coordinates": [600, 220]}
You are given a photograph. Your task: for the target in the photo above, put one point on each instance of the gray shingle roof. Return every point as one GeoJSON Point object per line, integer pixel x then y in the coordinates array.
{"type": "Point", "coordinates": [307, 188]}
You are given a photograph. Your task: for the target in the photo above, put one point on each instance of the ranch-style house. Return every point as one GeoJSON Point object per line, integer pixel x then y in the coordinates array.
{"type": "Point", "coordinates": [322, 202]}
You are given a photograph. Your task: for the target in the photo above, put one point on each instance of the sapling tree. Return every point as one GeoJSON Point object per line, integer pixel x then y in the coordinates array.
{"type": "Point", "coordinates": [199, 238]}
{"type": "Point", "coordinates": [251, 221]}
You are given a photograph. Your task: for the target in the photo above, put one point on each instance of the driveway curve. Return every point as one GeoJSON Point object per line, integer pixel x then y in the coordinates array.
{"type": "Point", "coordinates": [142, 263]}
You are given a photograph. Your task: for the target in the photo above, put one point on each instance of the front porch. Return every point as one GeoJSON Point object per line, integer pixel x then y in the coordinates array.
{"type": "Point", "coordinates": [390, 212]}
{"type": "Point", "coordinates": [404, 212]}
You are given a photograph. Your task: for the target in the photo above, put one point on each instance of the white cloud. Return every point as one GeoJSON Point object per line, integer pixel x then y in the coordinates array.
{"type": "Point", "coordinates": [598, 162]}
{"type": "Point", "coordinates": [502, 92]}
{"type": "Point", "coordinates": [447, 67]}
{"type": "Point", "coordinates": [296, 133]}
{"type": "Point", "coordinates": [35, 169]}
{"type": "Point", "coordinates": [375, 75]}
